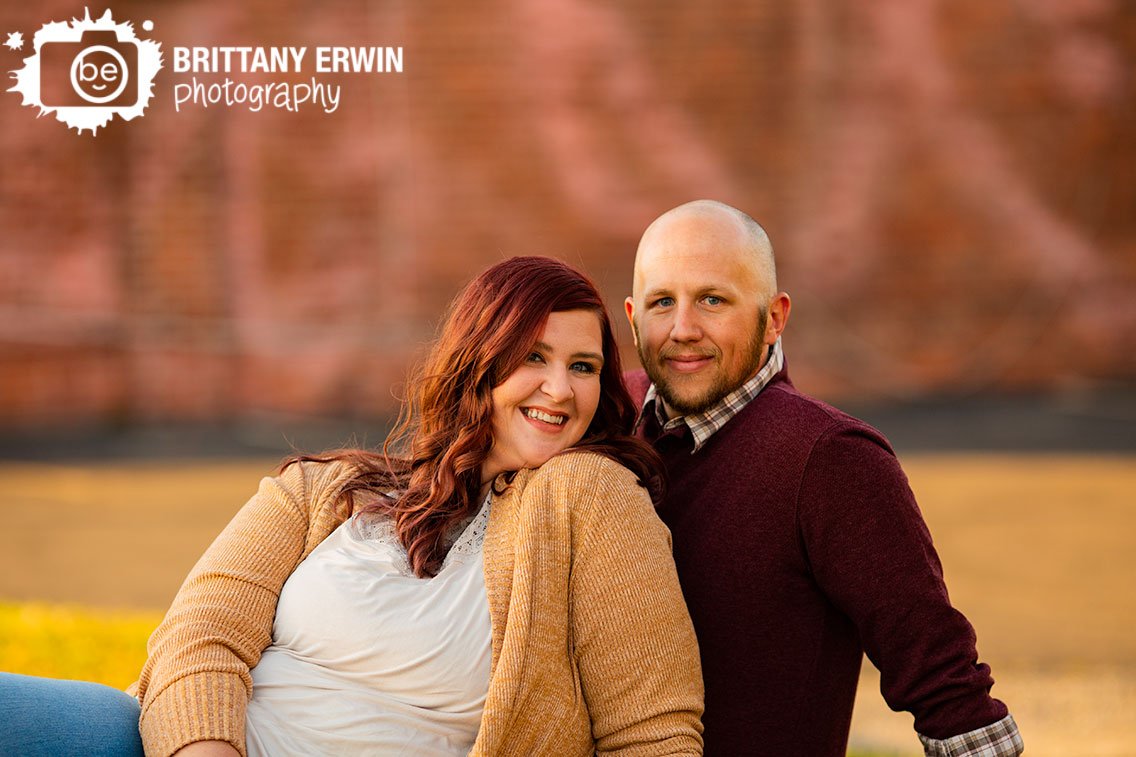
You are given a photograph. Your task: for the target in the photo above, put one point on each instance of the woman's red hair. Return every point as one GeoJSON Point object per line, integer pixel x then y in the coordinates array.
{"type": "Point", "coordinates": [434, 456]}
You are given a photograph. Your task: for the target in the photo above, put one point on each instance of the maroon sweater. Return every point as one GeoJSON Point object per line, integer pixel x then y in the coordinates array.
{"type": "Point", "coordinates": [800, 546]}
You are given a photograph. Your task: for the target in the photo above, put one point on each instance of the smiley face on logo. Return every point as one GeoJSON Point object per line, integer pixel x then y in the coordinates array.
{"type": "Point", "coordinates": [88, 71]}
{"type": "Point", "coordinates": [99, 74]}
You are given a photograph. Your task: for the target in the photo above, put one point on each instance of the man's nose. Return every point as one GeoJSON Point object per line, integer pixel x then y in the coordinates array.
{"type": "Point", "coordinates": [685, 327]}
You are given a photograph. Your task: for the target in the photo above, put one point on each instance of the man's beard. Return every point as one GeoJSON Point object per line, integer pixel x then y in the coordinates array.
{"type": "Point", "coordinates": [723, 384]}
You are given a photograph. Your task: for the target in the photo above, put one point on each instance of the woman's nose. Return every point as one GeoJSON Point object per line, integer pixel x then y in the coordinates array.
{"type": "Point", "coordinates": [556, 384]}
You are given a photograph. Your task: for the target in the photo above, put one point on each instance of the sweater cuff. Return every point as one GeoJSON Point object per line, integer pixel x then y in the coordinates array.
{"type": "Point", "coordinates": [198, 707]}
{"type": "Point", "coordinates": [999, 739]}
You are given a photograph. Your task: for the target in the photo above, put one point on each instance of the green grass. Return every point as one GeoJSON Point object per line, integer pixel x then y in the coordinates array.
{"type": "Point", "coordinates": [60, 641]}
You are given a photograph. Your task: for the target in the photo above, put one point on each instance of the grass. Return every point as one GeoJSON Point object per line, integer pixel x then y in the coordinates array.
{"type": "Point", "coordinates": [1027, 541]}
{"type": "Point", "coordinates": [65, 641]}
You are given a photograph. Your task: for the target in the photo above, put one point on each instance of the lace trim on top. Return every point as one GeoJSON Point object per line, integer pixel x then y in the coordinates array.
{"type": "Point", "coordinates": [466, 537]}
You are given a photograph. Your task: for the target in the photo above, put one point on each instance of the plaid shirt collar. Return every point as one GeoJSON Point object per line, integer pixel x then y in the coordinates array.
{"type": "Point", "coordinates": [705, 424]}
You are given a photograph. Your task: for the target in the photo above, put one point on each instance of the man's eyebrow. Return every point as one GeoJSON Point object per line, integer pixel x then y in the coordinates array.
{"type": "Point", "coordinates": [699, 292]}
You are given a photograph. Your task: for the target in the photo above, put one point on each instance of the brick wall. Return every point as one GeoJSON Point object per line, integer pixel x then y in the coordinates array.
{"type": "Point", "coordinates": [949, 187]}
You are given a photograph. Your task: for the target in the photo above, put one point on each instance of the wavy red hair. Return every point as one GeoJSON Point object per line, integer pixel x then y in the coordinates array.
{"type": "Point", "coordinates": [435, 454]}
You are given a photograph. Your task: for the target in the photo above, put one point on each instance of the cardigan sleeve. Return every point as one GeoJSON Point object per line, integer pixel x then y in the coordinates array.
{"type": "Point", "coordinates": [871, 553]}
{"type": "Point", "coordinates": [632, 636]}
{"type": "Point", "coordinates": [195, 684]}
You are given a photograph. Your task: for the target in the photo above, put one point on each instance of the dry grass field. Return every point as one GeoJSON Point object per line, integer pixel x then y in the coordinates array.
{"type": "Point", "coordinates": [1039, 551]}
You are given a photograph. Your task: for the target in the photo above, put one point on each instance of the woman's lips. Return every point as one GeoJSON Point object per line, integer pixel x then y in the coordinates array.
{"type": "Point", "coordinates": [529, 412]}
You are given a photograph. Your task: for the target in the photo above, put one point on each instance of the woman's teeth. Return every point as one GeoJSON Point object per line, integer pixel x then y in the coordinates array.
{"type": "Point", "coordinates": [540, 416]}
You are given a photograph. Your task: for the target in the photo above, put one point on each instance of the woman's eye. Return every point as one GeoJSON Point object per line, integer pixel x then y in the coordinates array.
{"type": "Point", "coordinates": [535, 357]}
{"type": "Point", "coordinates": [583, 367]}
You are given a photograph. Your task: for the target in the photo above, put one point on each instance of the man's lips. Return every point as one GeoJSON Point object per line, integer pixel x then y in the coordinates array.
{"type": "Point", "coordinates": [687, 363]}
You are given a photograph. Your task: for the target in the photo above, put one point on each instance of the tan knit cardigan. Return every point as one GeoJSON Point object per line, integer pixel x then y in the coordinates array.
{"type": "Point", "coordinates": [593, 650]}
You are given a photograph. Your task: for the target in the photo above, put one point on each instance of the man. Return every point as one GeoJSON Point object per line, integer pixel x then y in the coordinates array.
{"type": "Point", "coordinates": [798, 542]}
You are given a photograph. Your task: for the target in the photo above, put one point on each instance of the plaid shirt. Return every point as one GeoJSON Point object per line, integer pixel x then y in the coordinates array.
{"type": "Point", "coordinates": [1000, 739]}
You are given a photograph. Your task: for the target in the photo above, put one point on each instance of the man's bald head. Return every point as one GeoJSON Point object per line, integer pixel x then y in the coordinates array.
{"type": "Point", "coordinates": [718, 224]}
{"type": "Point", "coordinates": [704, 309]}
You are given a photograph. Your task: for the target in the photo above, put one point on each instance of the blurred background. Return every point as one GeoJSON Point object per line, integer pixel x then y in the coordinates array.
{"type": "Point", "coordinates": [949, 187]}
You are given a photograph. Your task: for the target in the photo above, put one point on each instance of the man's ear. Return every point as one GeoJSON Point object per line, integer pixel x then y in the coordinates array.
{"type": "Point", "coordinates": [629, 308]}
{"type": "Point", "coordinates": [779, 308]}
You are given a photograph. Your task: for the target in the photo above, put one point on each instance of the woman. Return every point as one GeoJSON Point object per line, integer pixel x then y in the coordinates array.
{"type": "Point", "coordinates": [491, 592]}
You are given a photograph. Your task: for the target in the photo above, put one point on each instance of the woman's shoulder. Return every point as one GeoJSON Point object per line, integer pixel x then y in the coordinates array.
{"type": "Point", "coordinates": [585, 466]}
{"type": "Point", "coordinates": [314, 484]}
{"type": "Point", "coordinates": [585, 480]}
{"type": "Point", "coordinates": [582, 496]}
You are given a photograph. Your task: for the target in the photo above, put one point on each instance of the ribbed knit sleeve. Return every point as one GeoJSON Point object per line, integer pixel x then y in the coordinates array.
{"type": "Point", "coordinates": [196, 684]}
{"type": "Point", "coordinates": [633, 639]}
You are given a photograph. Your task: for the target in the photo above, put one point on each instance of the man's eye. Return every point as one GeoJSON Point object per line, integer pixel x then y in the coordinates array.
{"type": "Point", "coordinates": [713, 300]}
{"type": "Point", "coordinates": [664, 302]}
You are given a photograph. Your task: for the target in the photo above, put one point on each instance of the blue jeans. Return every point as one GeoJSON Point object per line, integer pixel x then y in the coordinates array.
{"type": "Point", "coordinates": [46, 717]}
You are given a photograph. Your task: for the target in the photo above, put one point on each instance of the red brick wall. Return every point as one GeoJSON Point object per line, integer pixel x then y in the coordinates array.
{"type": "Point", "coordinates": [949, 187]}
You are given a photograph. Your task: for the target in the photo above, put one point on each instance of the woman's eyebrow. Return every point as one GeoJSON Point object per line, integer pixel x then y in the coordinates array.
{"type": "Point", "coordinates": [542, 347]}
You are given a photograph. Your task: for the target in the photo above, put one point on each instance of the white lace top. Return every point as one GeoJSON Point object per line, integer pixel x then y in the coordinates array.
{"type": "Point", "coordinates": [368, 659]}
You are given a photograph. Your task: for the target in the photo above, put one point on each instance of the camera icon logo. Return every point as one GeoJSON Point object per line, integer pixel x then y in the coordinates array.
{"type": "Point", "coordinates": [97, 70]}
{"type": "Point", "coordinates": [89, 71]}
